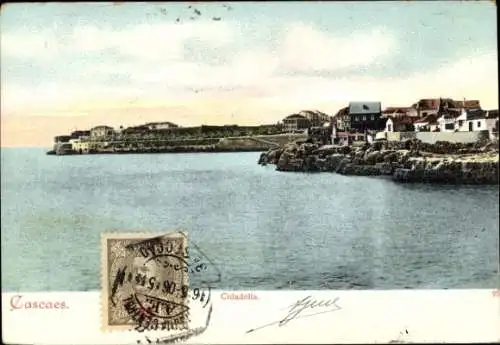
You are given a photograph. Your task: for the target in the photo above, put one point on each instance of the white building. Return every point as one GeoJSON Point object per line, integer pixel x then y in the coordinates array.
{"type": "Point", "coordinates": [446, 122]}
{"type": "Point", "coordinates": [461, 120]}
{"type": "Point", "coordinates": [79, 145]}
{"type": "Point", "coordinates": [428, 123]}
{"type": "Point", "coordinates": [101, 132]}
{"type": "Point", "coordinates": [161, 125]}
{"type": "Point", "coordinates": [400, 124]}
{"type": "Point", "coordinates": [471, 120]}
{"type": "Point", "coordinates": [316, 117]}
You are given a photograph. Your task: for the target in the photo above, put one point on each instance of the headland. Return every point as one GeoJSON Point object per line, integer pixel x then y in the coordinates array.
{"type": "Point", "coordinates": [169, 138]}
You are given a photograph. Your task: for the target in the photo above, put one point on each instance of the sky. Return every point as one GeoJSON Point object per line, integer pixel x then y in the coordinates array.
{"type": "Point", "coordinates": [77, 65]}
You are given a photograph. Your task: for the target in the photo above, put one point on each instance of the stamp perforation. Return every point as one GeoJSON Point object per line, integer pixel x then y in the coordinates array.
{"type": "Point", "coordinates": [119, 243]}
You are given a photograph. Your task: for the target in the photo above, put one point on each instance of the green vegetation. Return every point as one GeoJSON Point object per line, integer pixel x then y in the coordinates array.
{"type": "Point", "coordinates": [200, 132]}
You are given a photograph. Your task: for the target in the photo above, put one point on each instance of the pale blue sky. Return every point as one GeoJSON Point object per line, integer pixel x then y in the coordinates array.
{"type": "Point", "coordinates": [259, 54]}
{"type": "Point", "coordinates": [429, 33]}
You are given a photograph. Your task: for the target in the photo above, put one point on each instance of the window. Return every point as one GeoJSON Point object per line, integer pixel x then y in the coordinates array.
{"type": "Point", "coordinates": [449, 126]}
{"type": "Point", "coordinates": [424, 113]}
{"type": "Point", "coordinates": [364, 118]}
{"type": "Point", "coordinates": [478, 124]}
{"type": "Point", "coordinates": [389, 128]}
{"type": "Point", "coordinates": [460, 123]}
{"type": "Point", "coordinates": [372, 117]}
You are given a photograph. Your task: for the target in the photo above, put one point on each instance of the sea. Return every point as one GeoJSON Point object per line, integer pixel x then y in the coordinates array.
{"type": "Point", "coordinates": [261, 229]}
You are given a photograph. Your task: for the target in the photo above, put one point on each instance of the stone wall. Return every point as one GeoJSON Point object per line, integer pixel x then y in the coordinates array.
{"type": "Point", "coordinates": [433, 137]}
{"type": "Point", "coordinates": [398, 136]}
{"type": "Point", "coordinates": [453, 137]}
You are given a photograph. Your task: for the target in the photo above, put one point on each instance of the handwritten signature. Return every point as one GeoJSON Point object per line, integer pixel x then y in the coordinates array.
{"type": "Point", "coordinates": [295, 311]}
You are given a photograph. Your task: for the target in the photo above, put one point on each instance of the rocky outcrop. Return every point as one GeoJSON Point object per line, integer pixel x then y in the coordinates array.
{"type": "Point", "coordinates": [407, 161]}
{"type": "Point", "coordinates": [476, 169]}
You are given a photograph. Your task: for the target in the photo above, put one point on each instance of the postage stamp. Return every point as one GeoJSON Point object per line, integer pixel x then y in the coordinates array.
{"type": "Point", "coordinates": [144, 281]}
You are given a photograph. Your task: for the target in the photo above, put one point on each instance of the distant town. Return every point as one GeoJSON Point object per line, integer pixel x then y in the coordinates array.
{"type": "Point", "coordinates": [438, 119]}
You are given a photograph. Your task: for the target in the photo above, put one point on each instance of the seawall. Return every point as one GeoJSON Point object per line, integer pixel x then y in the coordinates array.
{"type": "Point", "coordinates": [434, 137]}
{"type": "Point", "coordinates": [258, 143]}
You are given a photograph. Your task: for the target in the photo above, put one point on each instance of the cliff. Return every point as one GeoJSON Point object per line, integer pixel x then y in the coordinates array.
{"type": "Point", "coordinates": [408, 161]}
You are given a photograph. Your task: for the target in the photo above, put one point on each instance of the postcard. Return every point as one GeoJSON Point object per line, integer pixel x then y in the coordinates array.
{"type": "Point", "coordinates": [250, 172]}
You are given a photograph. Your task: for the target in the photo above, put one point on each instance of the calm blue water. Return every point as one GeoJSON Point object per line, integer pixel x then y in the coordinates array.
{"type": "Point", "coordinates": [263, 229]}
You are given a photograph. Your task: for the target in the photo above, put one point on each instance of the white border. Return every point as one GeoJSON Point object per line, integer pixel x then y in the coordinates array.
{"type": "Point", "coordinates": [383, 316]}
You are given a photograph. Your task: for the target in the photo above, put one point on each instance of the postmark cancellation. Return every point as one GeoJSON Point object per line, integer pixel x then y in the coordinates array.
{"type": "Point", "coordinates": [144, 281]}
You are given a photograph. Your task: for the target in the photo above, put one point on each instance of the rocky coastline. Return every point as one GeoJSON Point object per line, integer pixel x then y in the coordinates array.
{"type": "Point", "coordinates": [404, 161]}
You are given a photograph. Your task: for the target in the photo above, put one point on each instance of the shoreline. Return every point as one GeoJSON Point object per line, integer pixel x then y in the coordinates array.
{"type": "Point", "coordinates": [405, 162]}
{"type": "Point", "coordinates": [259, 143]}
{"type": "Point", "coordinates": [164, 151]}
